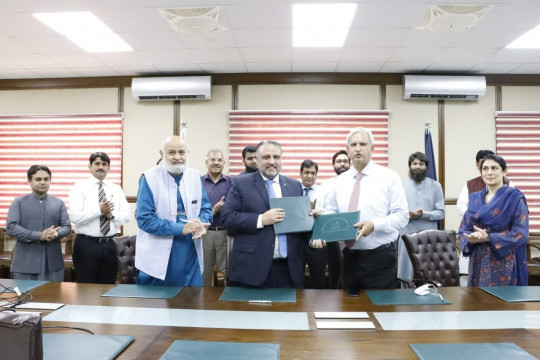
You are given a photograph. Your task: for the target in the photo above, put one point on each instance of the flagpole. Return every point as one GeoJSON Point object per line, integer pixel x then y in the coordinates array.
{"type": "Point", "coordinates": [428, 146]}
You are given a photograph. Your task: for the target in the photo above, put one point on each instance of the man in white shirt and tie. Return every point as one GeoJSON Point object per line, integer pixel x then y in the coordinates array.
{"type": "Point", "coordinates": [316, 259]}
{"type": "Point", "coordinates": [369, 261]}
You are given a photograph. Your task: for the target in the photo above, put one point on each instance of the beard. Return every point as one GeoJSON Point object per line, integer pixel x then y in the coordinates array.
{"type": "Point", "coordinates": [174, 168]}
{"type": "Point", "coordinates": [340, 170]}
{"type": "Point", "coordinates": [417, 176]}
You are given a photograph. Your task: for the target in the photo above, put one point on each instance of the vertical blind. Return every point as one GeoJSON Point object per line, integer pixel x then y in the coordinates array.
{"type": "Point", "coordinates": [518, 142]}
{"type": "Point", "coordinates": [63, 143]}
{"type": "Point", "coordinates": [314, 135]}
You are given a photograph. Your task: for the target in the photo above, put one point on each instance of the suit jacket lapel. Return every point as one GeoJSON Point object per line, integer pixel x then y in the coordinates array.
{"type": "Point", "coordinates": [260, 185]}
{"type": "Point", "coordinates": [284, 187]}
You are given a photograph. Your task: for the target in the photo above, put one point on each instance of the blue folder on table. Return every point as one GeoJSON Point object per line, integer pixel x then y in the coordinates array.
{"type": "Point", "coordinates": [84, 347]}
{"type": "Point", "coordinates": [336, 227]}
{"type": "Point", "coordinates": [144, 291]}
{"type": "Point", "coordinates": [514, 293]}
{"type": "Point", "coordinates": [403, 297]}
{"type": "Point", "coordinates": [470, 351]}
{"type": "Point", "coordinates": [250, 294]}
{"type": "Point", "coordinates": [217, 350]}
{"type": "Point", "coordinates": [23, 285]}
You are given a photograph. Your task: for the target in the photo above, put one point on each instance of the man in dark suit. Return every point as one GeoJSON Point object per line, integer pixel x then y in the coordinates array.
{"type": "Point", "coordinates": [259, 258]}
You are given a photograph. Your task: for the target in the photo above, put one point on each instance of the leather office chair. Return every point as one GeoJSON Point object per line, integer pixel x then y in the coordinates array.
{"type": "Point", "coordinates": [533, 262]}
{"type": "Point", "coordinates": [125, 250]}
{"type": "Point", "coordinates": [434, 257]}
{"type": "Point", "coordinates": [5, 256]}
{"type": "Point", "coordinates": [69, 271]}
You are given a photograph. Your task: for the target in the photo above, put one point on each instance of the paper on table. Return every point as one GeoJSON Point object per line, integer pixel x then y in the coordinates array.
{"type": "Point", "coordinates": [40, 306]}
{"type": "Point", "coordinates": [341, 315]}
{"type": "Point", "coordinates": [345, 325]}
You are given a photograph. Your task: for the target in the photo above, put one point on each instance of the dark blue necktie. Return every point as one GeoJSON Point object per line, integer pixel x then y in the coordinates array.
{"type": "Point", "coordinates": [282, 238]}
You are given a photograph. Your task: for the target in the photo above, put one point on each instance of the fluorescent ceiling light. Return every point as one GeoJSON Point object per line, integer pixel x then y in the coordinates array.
{"type": "Point", "coordinates": [85, 30]}
{"type": "Point", "coordinates": [529, 40]}
{"type": "Point", "coordinates": [321, 25]}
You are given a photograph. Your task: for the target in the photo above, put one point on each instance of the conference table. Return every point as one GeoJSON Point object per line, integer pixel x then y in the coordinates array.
{"type": "Point", "coordinates": [151, 342]}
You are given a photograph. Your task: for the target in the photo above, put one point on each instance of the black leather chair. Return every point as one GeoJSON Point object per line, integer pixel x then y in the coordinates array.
{"type": "Point", "coordinates": [434, 257]}
{"type": "Point", "coordinates": [125, 249]}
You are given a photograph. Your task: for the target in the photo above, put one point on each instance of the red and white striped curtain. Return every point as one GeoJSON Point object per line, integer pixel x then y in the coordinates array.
{"type": "Point", "coordinates": [314, 135]}
{"type": "Point", "coordinates": [518, 142]}
{"type": "Point", "coordinates": [63, 143]}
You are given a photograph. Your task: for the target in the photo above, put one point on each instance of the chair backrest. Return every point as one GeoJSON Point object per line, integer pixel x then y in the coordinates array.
{"type": "Point", "coordinates": [125, 249]}
{"type": "Point", "coordinates": [434, 256]}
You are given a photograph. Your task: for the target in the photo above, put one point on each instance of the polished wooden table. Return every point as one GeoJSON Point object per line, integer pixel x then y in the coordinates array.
{"type": "Point", "coordinates": [152, 341]}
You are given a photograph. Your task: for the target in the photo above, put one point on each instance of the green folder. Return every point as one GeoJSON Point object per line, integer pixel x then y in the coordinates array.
{"type": "Point", "coordinates": [297, 218]}
{"type": "Point", "coordinates": [233, 293]}
{"type": "Point", "coordinates": [470, 351]}
{"type": "Point", "coordinates": [217, 350]}
{"type": "Point", "coordinates": [23, 285]}
{"type": "Point", "coordinates": [144, 291]}
{"type": "Point", "coordinates": [514, 293]}
{"type": "Point", "coordinates": [84, 347]}
{"type": "Point", "coordinates": [403, 297]}
{"type": "Point", "coordinates": [336, 227]}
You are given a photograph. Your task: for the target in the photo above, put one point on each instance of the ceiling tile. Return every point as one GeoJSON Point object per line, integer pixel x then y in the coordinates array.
{"type": "Point", "coordinates": [314, 66]}
{"type": "Point", "coordinates": [263, 37]}
{"type": "Point", "coordinates": [269, 67]}
{"type": "Point", "coordinates": [210, 56]}
{"type": "Point", "coordinates": [224, 67]}
{"type": "Point", "coordinates": [266, 55]}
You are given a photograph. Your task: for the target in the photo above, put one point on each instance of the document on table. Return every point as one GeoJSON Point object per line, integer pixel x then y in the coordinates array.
{"type": "Point", "coordinates": [339, 325]}
{"type": "Point", "coordinates": [336, 227]}
{"type": "Point", "coordinates": [297, 218]}
{"type": "Point", "coordinates": [341, 315]}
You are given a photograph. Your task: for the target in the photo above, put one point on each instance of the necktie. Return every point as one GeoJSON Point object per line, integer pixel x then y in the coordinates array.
{"type": "Point", "coordinates": [104, 222]}
{"type": "Point", "coordinates": [282, 238]}
{"type": "Point", "coordinates": [307, 190]}
{"type": "Point", "coordinates": [353, 203]}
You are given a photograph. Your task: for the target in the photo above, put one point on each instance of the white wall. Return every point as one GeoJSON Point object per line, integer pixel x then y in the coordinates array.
{"type": "Point", "coordinates": [468, 126]}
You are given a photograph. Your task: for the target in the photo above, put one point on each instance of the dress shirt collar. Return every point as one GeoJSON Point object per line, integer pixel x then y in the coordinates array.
{"type": "Point", "coordinates": [208, 177]}
{"type": "Point", "coordinates": [36, 196]}
{"type": "Point", "coordinates": [95, 180]}
{"type": "Point", "coordinates": [276, 179]}
{"type": "Point", "coordinates": [368, 170]}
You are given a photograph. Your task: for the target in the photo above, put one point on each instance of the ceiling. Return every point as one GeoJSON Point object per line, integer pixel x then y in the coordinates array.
{"type": "Point", "coordinates": [258, 39]}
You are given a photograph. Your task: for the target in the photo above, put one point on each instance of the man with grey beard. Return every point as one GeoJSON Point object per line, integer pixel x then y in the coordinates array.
{"type": "Point", "coordinates": [172, 213]}
{"type": "Point", "coordinates": [426, 207]}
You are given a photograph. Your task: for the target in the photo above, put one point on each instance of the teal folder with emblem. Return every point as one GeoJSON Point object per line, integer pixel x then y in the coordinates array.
{"type": "Point", "coordinates": [23, 285]}
{"type": "Point", "coordinates": [336, 227]}
{"type": "Point", "coordinates": [297, 218]}
{"type": "Point", "coordinates": [143, 291]}
{"type": "Point", "coordinates": [218, 350]}
{"type": "Point", "coordinates": [404, 297]}
{"type": "Point", "coordinates": [235, 293]}
{"type": "Point", "coordinates": [470, 351]}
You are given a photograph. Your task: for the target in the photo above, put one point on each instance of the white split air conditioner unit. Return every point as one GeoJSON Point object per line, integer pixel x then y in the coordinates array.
{"type": "Point", "coordinates": [431, 87]}
{"type": "Point", "coordinates": [172, 88]}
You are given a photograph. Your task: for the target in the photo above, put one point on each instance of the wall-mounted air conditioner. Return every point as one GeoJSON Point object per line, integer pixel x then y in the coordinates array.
{"type": "Point", "coordinates": [172, 88]}
{"type": "Point", "coordinates": [433, 87]}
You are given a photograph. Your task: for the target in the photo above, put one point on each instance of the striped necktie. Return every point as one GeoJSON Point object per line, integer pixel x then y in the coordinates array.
{"type": "Point", "coordinates": [104, 222]}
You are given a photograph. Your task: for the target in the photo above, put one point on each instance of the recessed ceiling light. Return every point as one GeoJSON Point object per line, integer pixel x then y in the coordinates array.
{"type": "Point", "coordinates": [321, 25]}
{"type": "Point", "coordinates": [85, 30]}
{"type": "Point", "coordinates": [529, 40]}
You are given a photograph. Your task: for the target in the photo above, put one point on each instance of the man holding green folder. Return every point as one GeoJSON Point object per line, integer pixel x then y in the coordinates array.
{"type": "Point", "coordinates": [369, 261]}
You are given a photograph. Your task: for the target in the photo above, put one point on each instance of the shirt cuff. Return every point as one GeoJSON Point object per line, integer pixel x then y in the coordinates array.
{"type": "Point", "coordinates": [259, 222]}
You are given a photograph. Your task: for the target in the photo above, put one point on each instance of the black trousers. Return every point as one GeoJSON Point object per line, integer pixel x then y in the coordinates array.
{"type": "Point", "coordinates": [370, 269]}
{"type": "Point", "coordinates": [95, 260]}
{"type": "Point", "coordinates": [316, 260]}
{"type": "Point", "coordinates": [335, 263]}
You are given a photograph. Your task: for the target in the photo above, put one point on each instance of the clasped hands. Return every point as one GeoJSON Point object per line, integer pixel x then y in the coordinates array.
{"type": "Point", "coordinates": [195, 227]}
{"type": "Point", "coordinates": [50, 234]}
{"type": "Point", "coordinates": [106, 208]}
{"type": "Point", "coordinates": [478, 236]}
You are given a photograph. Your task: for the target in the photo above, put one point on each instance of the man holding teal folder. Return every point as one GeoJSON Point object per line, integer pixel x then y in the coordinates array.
{"type": "Point", "coordinates": [369, 261]}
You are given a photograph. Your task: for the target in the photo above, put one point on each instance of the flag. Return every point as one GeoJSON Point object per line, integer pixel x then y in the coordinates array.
{"type": "Point", "coordinates": [428, 145]}
{"type": "Point", "coordinates": [432, 171]}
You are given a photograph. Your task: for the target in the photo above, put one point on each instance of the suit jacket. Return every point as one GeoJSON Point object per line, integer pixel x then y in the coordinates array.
{"type": "Point", "coordinates": [253, 249]}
